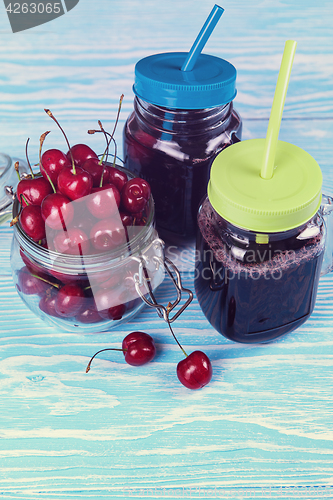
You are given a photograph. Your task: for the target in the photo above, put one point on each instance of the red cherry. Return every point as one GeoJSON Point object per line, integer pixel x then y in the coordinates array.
{"type": "Point", "coordinates": [134, 336]}
{"type": "Point", "coordinates": [82, 217]}
{"type": "Point", "coordinates": [61, 277]}
{"type": "Point", "coordinates": [135, 195]}
{"type": "Point", "coordinates": [96, 170]}
{"type": "Point", "coordinates": [89, 313]}
{"type": "Point", "coordinates": [115, 312]}
{"type": "Point", "coordinates": [139, 348]}
{"type": "Point", "coordinates": [195, 371]}
{"type": "Point", "coordinates": [107, 234]}
{"type": "Point", "coordinates": [126, 219]}
{"type": "Point", "coordinates": [74, 184]}
{"type": "Point", "coordinates": [74, 241]}
{"type": "Point", "coordinates": [53, 161]}
{"type": "Point", "coordinates": [103, 201]}
{"type": "Point", "coordinates": [146, 190]}
{"type": "Point", "coordinates": [32, 222]}
{"type": "Point", "coordinates": [32, 267]}
{"type": "Point", "coordinates": [47, 303]}
{"type": "Point", "coordinates": [57, 211]}
{"type": "Point", "coordinates": [33, 191]}
{"type": "Point", "coordinates": [109, 304]}
{"type": "Point", "coordinates": [117, 177]}
{"type": "Point", "coordinates": [29, 284]}
{"type": "Point", "coordinates": [85, 224]}
{"type": "Point", "coordinates": [69, 300]}
{"type": "Point", "coordinates": [81, 153]}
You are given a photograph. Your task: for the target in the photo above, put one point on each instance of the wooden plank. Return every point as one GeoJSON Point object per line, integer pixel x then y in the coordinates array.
{"type": "Point", "coordinates": [263, 427]}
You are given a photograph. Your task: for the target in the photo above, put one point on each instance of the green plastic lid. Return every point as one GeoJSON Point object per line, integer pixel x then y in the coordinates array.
{"type": "Point", "coordinates": [287, 200]}
{"type": "Point", "coordinates": [266, 185]}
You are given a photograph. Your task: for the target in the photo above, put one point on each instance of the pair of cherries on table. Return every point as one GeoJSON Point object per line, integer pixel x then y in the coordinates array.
{"type": "Point", "coordinates": [194, 372]}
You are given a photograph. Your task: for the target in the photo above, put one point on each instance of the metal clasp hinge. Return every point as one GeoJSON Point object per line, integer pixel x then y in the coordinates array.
{"type": "Point", "coordinates": [171, 269]}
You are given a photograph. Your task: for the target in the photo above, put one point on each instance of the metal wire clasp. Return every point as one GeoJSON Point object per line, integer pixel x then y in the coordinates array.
{"type": "Point", "coordinates": [142, 277]}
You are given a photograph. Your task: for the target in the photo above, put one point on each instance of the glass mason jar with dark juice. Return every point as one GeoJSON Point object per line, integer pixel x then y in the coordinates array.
{"type": "Point", "coordinates": [262, 244]}
{"type": "Point", "coordinates": [181, 121]}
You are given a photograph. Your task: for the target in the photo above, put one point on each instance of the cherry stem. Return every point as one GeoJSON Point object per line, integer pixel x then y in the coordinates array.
{"type": "Point", "coordinates": [16, 166]}
{"type": "Point", "coordinates": [14, 221]}
{"type": "Point", "coordinates": [41, 142]}
{"type": "Point", "coordinates": [118, 113]}
{"type": "Point", "coordinates": [114, 129]}
{"type": "Point", "coordinates": [174, 336]}
{"type": "Point", "coordinates": [115, 153]}
{"type": "Point", "coordinates": [55, 285]}
{"type": "Point", "coordinates": [102, 350]}
{"type": "Point", "coordinates": [101, 181]}
{"type": "Point", "coordinates": [48, 112]}
{"type": "Point", "coordinates": [23, 196]}
{"type": "Point", "coordinates": [106, 152]}
{"type": "Point", "coordinates": [27, 157]}
{"type": "Point", "coordinates": [110, 135]}
{"type": "Point", "coordinates": [109, 142]}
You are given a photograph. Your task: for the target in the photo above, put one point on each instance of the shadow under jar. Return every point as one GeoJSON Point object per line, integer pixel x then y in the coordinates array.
{"type": "Point", "coordinates": [107, 296]}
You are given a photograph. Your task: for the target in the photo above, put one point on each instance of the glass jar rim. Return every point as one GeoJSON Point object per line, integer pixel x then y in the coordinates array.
{"type": "Point", "coordinates": [230, 227]}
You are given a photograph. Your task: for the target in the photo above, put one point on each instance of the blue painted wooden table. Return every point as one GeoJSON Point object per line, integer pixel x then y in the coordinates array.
{"type": "Point", "coordinates": [263, 427]}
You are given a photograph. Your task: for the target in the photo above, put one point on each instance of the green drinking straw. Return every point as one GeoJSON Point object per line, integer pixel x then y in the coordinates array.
{"type": "Point", "coordinates": [202, 38]}
{"type": "Point", "coordinates": [267, 167]}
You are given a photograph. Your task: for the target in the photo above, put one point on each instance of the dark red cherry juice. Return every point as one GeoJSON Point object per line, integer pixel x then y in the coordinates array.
{"type": "Point", "coordinates": [252, 288]}
{"type": "Point", "coordinates": [173, 150]}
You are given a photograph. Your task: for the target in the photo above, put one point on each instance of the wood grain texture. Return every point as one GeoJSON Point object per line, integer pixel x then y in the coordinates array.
{"type": "Point", "coordinates": [263, 427]}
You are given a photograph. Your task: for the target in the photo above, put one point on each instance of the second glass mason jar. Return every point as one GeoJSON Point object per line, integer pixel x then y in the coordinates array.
{"type": "Point", "coordinates": [181, 121]}
{"type": "Point", "coordinates": [262, 244]}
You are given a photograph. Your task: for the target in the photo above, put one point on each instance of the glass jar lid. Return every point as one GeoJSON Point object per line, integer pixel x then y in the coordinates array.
{"type": "Point", "coordinates": [160, 81]}
{"type": "Point", "coordinates": [241, 196]}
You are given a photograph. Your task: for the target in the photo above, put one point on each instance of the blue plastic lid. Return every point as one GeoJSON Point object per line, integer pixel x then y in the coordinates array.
{"type": "Point", "coordinates": [160, 81]}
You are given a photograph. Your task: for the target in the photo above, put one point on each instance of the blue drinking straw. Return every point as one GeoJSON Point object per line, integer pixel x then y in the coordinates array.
{"type": "Point", "coordinates": [202, 38]}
